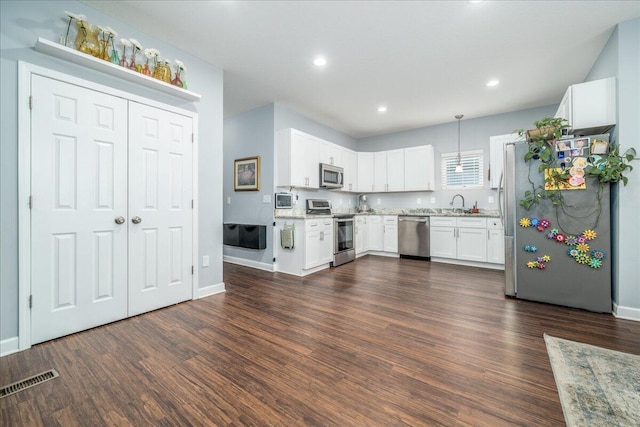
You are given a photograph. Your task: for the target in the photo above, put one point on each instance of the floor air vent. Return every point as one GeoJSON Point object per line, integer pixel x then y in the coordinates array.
{"type": "Point", "coordinates": [29, 382]}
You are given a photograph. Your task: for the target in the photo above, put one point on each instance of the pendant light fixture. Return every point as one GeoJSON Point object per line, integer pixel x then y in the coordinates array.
{"type": "Point", "coordinates": [459, 165]}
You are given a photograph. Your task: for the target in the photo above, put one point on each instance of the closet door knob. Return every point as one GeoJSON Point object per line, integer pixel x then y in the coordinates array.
{"type": "Point", "coordinates": [120, 220]}
{"type": "Point", "coordinates": [136, 220]}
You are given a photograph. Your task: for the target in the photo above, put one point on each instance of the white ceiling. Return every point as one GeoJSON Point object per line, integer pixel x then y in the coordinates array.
{"type": "Point", "coordinates": [426, 61]}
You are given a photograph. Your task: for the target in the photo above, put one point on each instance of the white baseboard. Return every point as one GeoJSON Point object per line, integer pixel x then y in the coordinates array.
{"type": "Point", "coordinates": [628, 313]}
{"type": "Point", "coordinates": [468, 263]}
{"type": "Point", "coordinates": [8, 346]}
{"type": "Point", "coordinates": [210, 290]}
{"type": "Point", "coordinates": [387, 254]}
{"type": "Point", "coordinates": [248, 263]}
{"type": "Point", "coordinates": [302, 273]}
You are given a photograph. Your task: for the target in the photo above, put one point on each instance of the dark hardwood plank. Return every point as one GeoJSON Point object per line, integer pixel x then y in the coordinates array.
{"type": "Point", "coordinates": [377, 342]}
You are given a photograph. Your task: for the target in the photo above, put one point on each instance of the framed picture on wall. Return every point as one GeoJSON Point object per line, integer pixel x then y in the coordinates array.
{"type": "Point", "coordinates": [246, 174]}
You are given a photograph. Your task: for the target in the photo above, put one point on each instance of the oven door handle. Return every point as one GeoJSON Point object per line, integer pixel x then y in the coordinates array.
{"type": "Point", "coordinates": [343, 220]}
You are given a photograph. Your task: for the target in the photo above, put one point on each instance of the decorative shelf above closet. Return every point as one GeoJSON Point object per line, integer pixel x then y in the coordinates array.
{"type": "Point", "coordinates": [72, 55]}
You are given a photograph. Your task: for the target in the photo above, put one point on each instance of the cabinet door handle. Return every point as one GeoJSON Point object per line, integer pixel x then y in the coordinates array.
{"type": "Point", "coordinates": [488, 235]}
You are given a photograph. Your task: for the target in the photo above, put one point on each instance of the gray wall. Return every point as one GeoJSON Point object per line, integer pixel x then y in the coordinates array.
{"type": "Point", "coordinates": [621, 58]}
{"type": "Point", "coordinates": [21, 23]}
{"type": "Point", "coordinates": [474, 135]}
{"type": "Point", "coordinates": [247, 135]}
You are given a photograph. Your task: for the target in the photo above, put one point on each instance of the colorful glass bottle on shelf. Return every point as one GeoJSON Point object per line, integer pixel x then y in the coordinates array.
{"type": "Point", "coordinates": [177, 80]}
{"type": "Point", "coordinates": [87, 38]}
{"type": "Point", "coordinates": [162, 71]}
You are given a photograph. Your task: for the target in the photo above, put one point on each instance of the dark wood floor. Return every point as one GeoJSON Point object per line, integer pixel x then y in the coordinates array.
{"type": "Point", "coordinates": [378, 342]}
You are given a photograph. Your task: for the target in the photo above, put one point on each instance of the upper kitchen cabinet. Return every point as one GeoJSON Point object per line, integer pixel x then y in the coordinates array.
{"type": "Point", "coordinates": [496, 148]}
{"type": "Point", "coordinates": [330, 153]}
{"type": "Point", "coordinates": [350, 165]}
{"type": "Point", "coordinates": [296, 159]}
{"type": "Point", "coordinates": [388, 171]}
{"type": "Point", "coordinates": [590, 107]}
{"type": "Point", "coordinates": [419, 168]}
{"type": "Point", "coordinates": [365, 172]}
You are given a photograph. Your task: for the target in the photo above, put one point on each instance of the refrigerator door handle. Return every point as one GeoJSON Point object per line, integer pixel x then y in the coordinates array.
{"type": "Point", "coordinates": [500, 189]}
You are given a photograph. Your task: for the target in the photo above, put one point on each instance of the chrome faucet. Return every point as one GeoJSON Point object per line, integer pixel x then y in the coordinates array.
{"type": "Point", "coordinates": [454, 197]}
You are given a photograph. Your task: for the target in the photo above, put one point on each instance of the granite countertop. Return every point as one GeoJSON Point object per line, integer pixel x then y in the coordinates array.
{"type": "Point", "coordinates": [297, 213]}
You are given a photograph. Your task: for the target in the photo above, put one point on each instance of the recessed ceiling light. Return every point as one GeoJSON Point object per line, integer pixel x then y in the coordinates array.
{"type": "Point", "coordinates": [475, 1]}
{"type": "Point", "coordinates": [319, 61]}
{"type": "Point", "coordinates": [491, 83]}
{"type": "Point", "coordinates": [382, 109]}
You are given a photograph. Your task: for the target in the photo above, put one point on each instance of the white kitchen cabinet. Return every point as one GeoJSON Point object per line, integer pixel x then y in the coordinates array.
{"type": "Point", "coordinates": [495, 241]}
{"type": "Point", "coordinates": [361, 234]}
{"type": "Point", "coordinates": [471, 244]}
{"type": "Point", "coordinates": [330, 153]}
{"type": "Point", "coordinates": [326, 241]}
{"type": "Point", "coordinates": [442, 237]}
{"type": "Point", "coordinates": [395, 170]}
{"type": "Point", "coordinates": [496, 149]}
{"type": "Point", "coordinates": [365, 172]}
{"type": "Point", "coordinates": [318, 248]}
{"type": "Point", "coordinates": [390, 239]}
{"type": "Point", "coordinates": [296, 159]}
{"type": "Point", "coordinates": [350, 159]}
{"type": "Point", "coordinates": [380, 171]}
{"type": "Point", "coordinates": [376, 233]}
{"type": "Point", "coordinates": [419, 168]}
{"type": "Point", "coordinates": [590, 107]}
{"type": "Point", "coordinates": [388, 171]}
{"type": "Point", "coordinates": [459, 238]}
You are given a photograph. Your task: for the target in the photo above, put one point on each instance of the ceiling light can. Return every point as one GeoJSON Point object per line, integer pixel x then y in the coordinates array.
{"type": "Point", "coordinates": [492, 83]}
{"type": "Point", "coordinates": [319, 61]}
{"type": "Point", "coordinates": [382, 109]}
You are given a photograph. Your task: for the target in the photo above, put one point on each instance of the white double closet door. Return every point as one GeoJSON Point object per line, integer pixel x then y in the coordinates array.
{"type": "Point", "coordinates": [111, 221]}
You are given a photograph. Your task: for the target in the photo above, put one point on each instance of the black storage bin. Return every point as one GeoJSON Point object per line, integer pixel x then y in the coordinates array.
{"type": "Point", "coordinates": [250, 236]}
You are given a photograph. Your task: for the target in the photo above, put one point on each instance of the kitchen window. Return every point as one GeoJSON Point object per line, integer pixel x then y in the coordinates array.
{"type": "Point", "coordinates": [472, 170]}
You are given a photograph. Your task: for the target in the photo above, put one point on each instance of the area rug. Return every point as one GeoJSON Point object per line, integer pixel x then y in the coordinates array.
{"type": "Point", "coordinates": [597, 387]}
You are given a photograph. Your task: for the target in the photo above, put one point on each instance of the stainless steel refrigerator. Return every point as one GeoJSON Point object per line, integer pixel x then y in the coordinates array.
{"type": "Point", "coordinates": [542, 266]}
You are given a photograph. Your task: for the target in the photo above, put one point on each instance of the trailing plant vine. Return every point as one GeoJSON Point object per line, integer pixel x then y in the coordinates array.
{"type": "Point", "coordinates": [610, 168]}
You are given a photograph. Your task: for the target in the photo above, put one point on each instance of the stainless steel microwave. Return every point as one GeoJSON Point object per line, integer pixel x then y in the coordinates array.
{"type": "Point", "coordinates": [284, 200]}
{"type": "Point", "coordinates": [331, 176]}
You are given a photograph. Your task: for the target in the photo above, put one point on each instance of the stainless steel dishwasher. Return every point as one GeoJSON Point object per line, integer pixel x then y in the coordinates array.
{"type": "Point", "coordinates": [413, 236]}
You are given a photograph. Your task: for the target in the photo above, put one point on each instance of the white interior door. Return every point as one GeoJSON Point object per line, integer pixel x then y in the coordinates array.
{"type": "Point", "coordinates": [79, 188]}
{"type": "Point", "coordinates": [160, 208]}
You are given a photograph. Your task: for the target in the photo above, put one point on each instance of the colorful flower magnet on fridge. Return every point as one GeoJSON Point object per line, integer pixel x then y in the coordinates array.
{"type": "Point", "coordinates": [560, 238]}
{"type": "Point", "coordinates": [532, 264]}
{"type": "Point", "coordinates": [595, 263]}
{"type": "Point", "coordinates": [598, 254]}
{"type": "Point", "coordinates": [571, 240]}
{"type": "Point", "coordinates": [534, 222]}
{"type": "Point", "coordinates": [589, 234]}
{"type": "Point", "coordinates": [573, 252]}
{"type": "Point", "coordinates": [582, 247]}
{"type": "Point", "coordinates": [524, 222]}
{"type": "Point", "coordinates": [582, 239]}
{"type": "Point", "coordinates": [551, 236]}
{"type": "Point", "coordinates": [531, 248]}
{"type": "Point", "coordinates": [545, 222]}
{"type": "Point", "coordinates": [583, 258]}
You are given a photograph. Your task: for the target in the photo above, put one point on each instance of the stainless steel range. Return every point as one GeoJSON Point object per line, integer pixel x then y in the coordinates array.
{"type": "Point", "coordinates": [343, 244]}
{"type": "Point", "coordinates": [343, 229]}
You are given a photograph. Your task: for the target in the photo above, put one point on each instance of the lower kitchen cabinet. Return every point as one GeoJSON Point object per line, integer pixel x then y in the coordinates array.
{"type": "Point", "coordinates": [376, 233]}
{"type": "Point", "coordinates": [473, 239]}
{"type": "Point", "coordinates": [312, 245]}
{"type": "Point", "coordinates": [471, 244]}
{"type": "Point", "coordinates": [318, 242]}
{"type": "Point", "coordinates": [390, 238]}
{"type": "Point", "coordinates": [361, 234]}
{"type": "Point", "coordinates": [442, 240]}
{"type": "Point", "coordinates": [495, 241]}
